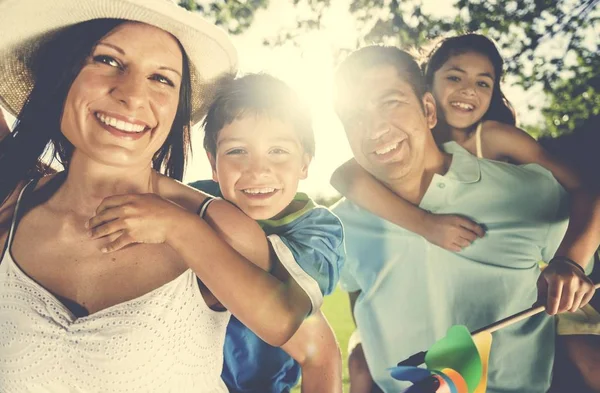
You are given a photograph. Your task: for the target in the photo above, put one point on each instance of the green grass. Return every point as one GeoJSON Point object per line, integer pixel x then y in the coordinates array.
{"type": "Point", "coordinates": [337, 310]}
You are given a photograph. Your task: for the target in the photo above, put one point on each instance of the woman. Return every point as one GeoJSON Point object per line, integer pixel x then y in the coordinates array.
{"type": "Point", "coordinates": [109, 280]}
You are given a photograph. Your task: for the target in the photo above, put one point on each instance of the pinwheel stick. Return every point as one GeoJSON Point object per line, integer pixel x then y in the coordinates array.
{"type": "Point", "coordinates": [419, 358]}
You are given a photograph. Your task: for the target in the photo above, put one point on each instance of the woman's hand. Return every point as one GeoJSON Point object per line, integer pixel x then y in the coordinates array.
{"type": "Point", "coordinates": [450, 231]}
{"type": "Point", "coordinates": [133, 218]}
{"type": "Point", "coordinates": [563, 287]}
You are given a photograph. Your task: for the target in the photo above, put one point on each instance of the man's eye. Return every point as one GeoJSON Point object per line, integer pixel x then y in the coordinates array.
{"type": "Point", "coordinates": [163, 79]}
{"type": "Point", "coordinates": [108, 60]}
{"type": "Point", "coordinates": [390, 103]}
{"type": "Point", "coordinates": [235, 152]}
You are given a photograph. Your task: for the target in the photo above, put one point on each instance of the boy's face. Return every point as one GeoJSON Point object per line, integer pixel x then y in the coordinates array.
{"type": "Point", "coordinates": [258, 163]}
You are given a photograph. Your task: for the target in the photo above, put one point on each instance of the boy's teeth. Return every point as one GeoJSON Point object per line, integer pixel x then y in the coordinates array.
{"type": "Point", "coordinates": [259, 190]}
{"type": "Point", "coordinates": [462, 105]}
{"type": "Point", "coordinates": [386, 149]}
{"type": "Point", "coordinates": [120, 124]}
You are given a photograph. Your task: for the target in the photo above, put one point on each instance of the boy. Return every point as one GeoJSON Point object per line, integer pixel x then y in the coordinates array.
{"type": "Point", "coordinates": [259, 141]}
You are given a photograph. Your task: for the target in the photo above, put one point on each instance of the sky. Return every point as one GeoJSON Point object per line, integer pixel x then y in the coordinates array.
{"type": "Point", "coordinates": [308, 66]}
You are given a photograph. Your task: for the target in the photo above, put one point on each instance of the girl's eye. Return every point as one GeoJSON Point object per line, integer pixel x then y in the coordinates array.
{"type": "Point", "coordinates": [162, 79]}
{"type": "Point", "coordinates": [483, 84]}
{"type": "Point", "coordinates": [235, 152]}
{"type": "Point", "coordinates": [108, 60]}
{"type": "Point", "coordinates": [453, 78]}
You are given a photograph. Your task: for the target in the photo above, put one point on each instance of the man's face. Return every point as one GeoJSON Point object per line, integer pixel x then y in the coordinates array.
{"type": "Point", "coordinates": [386, 125]}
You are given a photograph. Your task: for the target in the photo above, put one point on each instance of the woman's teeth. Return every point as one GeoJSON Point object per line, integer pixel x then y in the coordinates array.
{"type": "Point", "coordinates": [259, 190]}
{"type": "Point", "coordinates": [120, 124]}
{"type": "Point", "coordinates": [463, 105]}
{"type": "Point", "coordinates": [386, 149]}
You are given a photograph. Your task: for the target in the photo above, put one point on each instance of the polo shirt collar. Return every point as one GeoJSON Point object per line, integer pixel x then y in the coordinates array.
{"type": "Point", "coordinates": [464, 167]}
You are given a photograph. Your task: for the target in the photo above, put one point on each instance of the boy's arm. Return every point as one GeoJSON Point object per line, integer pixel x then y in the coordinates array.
{"type": "Point", "coordinates": [273, 308]}
{"type": "Point", "coordinates": [451, 232]}
{"type": "Point", "coordinates": [315, 348]}
{"type": "Point", "coordinates": [311, 250]}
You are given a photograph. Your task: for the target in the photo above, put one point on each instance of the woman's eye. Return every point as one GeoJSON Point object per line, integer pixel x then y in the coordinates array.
{"type": "Point", "coordinates": [453, 78]}
{"type": "Point", "coordinates": [162, 79]}
{"type": "Point", "coordinates": [279, 151]}
{"type": "Point", "coordinates": [108, 60]}
{"type": "Point", "coordinates": [483, 84]}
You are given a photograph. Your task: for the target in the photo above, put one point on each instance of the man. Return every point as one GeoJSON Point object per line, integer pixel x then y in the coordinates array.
{"type": "Point", "coordinates": [405, 293]}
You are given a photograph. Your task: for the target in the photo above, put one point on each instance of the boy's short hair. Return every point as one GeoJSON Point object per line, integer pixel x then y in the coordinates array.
{"type": "Point", "coordinates": [262, 95]}
{"type": "Point", "coordinates": [363, 59]}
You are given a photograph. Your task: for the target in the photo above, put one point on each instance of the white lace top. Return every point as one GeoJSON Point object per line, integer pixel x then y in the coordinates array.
{"type": "Point", "coordinates": [167, 340]}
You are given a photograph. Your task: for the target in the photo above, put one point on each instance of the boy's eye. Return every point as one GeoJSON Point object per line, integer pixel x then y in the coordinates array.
{"type": "Point", "coordinates": [236, 151]}
{"type": "Point", "coordinates": [162, 79]}
{"type": "Point", "coordinates": [108, 60]}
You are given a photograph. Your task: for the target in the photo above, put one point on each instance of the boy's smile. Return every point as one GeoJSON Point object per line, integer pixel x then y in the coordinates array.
{"type": "Point", "coordinates": [259, 162]}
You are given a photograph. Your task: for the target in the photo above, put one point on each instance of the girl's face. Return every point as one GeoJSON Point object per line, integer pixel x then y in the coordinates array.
{"type": "Point", "coordinates": [463, 89]}
{"type": "Point", "coordinates": [121, 106]}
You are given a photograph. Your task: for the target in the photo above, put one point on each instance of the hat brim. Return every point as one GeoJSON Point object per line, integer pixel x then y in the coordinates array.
{"type": "Point", "coordinates": [27, 23]}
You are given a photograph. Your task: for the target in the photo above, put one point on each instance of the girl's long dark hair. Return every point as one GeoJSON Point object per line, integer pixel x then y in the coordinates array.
{"type": "Point", "coordinates": [500, 108]}
{"type": "Point", "coordinates": [55, 67]}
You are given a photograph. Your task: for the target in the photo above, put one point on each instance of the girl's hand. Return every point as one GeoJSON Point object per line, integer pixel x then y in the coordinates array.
{"type": "Point", "coordinates": [133, 218]}
{"type": "Point", "coordinates": [563, 287]}
{"type": "Point", "coordinates": [450, 231]}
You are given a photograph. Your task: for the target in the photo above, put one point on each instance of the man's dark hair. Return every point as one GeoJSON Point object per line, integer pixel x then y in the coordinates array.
{"type": "Point", "coordinates": [359, 61]}
{"type": "Point", "coordinates": [259, 95]}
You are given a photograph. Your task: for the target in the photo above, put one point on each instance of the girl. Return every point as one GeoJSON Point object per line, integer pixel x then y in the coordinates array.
{"type": "Point", "coordinates": [463, 73]}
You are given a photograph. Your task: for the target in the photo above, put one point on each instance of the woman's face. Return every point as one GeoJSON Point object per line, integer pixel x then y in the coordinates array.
{"type": "Point", "coordinates": [463, 89]}
{"type": "Point", "coordinates": [120, 108]}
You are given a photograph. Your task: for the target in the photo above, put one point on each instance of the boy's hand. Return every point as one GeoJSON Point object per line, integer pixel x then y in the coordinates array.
{"type": "Point", "coordinates": [133, 218]}
{"type": "Point", "coordinates": [450, 231]}
{"type": "Point", "coordinates": [563, 287]}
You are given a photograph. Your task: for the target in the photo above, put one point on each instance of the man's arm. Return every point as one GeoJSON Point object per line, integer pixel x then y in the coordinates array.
{"type": "Point", "coordinates": [315, 348]}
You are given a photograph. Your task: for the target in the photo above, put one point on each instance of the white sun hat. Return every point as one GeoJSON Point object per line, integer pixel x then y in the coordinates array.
{"type": "Point", "coordinates": [24, 24]}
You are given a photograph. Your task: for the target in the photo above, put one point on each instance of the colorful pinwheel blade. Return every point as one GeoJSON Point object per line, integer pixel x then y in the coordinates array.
{"type": "Point", "coordinates": [458, 352]}
{"type": "Point", "coordinates": [483, 341]}
{"type": "Point", "coordinates": [409, 373]}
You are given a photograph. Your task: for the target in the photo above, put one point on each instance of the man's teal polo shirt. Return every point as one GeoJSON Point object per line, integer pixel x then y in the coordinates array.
{"type": "Point", "coordinates": [413, 291]}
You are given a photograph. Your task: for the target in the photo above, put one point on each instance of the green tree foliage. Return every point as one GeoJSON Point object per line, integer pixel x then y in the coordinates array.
{"type": "Point", "coordinates": [233, 15]}
{"type": "Point", "coordinates": [549, 43]}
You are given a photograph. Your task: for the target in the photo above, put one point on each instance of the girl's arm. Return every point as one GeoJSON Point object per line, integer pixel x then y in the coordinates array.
{"type": "Point", "coordinates": [560, 287]}
{"type": "Point", "coordinates": [583, 235]}
{"type": "Point", "coordinates": [449, 231]}
{"type": "Point", "coordinates": [315, 348]}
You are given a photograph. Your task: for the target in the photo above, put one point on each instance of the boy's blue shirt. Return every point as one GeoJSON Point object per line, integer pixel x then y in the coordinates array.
{"type": "Point", "coordinates": [309, 243]}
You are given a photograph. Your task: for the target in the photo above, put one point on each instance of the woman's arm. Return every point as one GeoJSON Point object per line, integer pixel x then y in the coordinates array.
{"type": "Point", "coordinates": [4, 129]}
{"type": "Point", "coordinates": [315, 348]}
{"type": "Point", "coordinates": [451, 232]}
